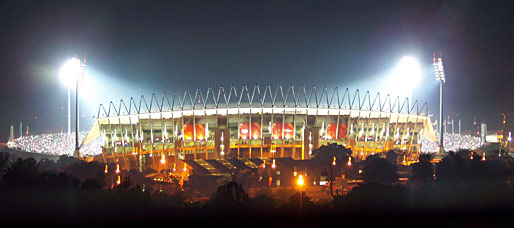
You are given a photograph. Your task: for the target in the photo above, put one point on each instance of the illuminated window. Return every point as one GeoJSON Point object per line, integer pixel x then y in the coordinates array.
{"type": "Point", "coordinates": [278, 182]}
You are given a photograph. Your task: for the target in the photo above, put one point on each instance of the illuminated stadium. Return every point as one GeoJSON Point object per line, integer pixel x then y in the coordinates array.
{"type": "Point", "coordinates": [256, 122]}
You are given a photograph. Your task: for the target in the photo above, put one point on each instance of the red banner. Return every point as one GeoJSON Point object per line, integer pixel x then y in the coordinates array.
{"type": "Point", "coordinates": [256, 130]}
{"type": "Point", "coordinates": [288, 130]}
{"type": "Point", "coordinates": [200, 131]}
{"type": "Point", "coordinates": [188, 131]}
{"type": "Point", "coordinates": [277, 131]}
{"type": "Point", "coordinates": [331, 131]}
{"type": "Point", "coordinates": [244, 130]}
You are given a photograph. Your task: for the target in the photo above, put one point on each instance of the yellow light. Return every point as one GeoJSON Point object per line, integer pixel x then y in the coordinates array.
{"type": "Point", "coordinates": [264, 164]}
{"type": "Point", "coordinates": [471, 156]}
{"type": "Point", "coordinates": [119, 180]}
{"type": "Point", "coordinates": [300, 181]}
{"type": "Point", "coordinates": [118, 168]}
{"type": "Point", "coordinates": [334, 162]}
{"type": "Point", "coordinates": [483, 156]}
{"type": "Point", "coordinates": [174, 167]}
{"type": "Point", "coordinates": [349, 161]}
{"type": "Point", "coordinates": [404, 161]}
{"type": "Point", "coordinates": [106, 169]}
{"type": "Point", "coordinates": [163, 159]}
{"type": "Point", "coordinates": [185, 167]}
{"type": "Point", "coordinates": [273, 165]}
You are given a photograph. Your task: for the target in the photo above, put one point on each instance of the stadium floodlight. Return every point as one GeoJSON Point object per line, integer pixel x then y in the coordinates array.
{"type": "Point", "coordinates": [71, 74]}
{"type": "Point", "coordinates": [441, 78]}
{"type": "Point", "coordinates": [68, 75]}
{"type": "Point", "coordinates": [406, 76]}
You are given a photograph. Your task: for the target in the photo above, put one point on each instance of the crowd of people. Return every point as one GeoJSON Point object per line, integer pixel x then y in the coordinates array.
{"type": "Point", "coordinates": [64, 144]}
{"type": "Point", "coordinates": [56, 144]}
{"type": "Point", "coordinates": [452, 142]}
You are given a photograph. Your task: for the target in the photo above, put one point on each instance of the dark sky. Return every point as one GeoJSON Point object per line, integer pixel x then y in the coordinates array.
{"type": "Point", "coordinates": [141, 47]}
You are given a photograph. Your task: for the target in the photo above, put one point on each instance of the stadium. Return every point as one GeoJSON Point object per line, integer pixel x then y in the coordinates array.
{"type": "Point", "coordinates": [256, 123]}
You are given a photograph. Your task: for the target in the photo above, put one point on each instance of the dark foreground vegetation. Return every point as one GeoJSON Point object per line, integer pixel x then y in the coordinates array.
{"type": "Point", "coordinates": [465, 192]}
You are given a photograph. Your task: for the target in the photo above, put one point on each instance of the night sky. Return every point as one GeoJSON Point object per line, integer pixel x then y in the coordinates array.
{"type": "Point", "coordinates": [145, 47]}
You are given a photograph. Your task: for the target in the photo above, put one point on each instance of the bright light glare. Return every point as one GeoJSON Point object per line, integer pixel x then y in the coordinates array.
{"type": "Point", "coordinates": [406, 76]}
{"type": "Point", "coordinates": [70, 72]}
{"type": "Point", "coordinates": [300, 181]}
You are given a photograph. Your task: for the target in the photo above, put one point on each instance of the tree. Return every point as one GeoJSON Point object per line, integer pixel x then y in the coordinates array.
{"type": "Point", "coordinates": [392, 156]}
{"type": "Point", "coordinates": [294, 201]}
{"type": "Point", "coordinates": [229, 196]}
{"type": "Point", "coordinates": [424, 169]}
{"type": "Point", "coordinates": [379, 170]}
{"type": "Point", "coordinates": [4, 157]}
{"type": "Point", "coordinates": [326, 153]}
{"type": "Point", "coordinates": [47, 165]}
{"type": "Point", "coordinates": [459, 166]}
{"type": "Point", "coordinates": [22, 174]}
{"type": "Point", "coordinates": [324, 157]}
{"type": "Point", "coordinates": [86, 170]}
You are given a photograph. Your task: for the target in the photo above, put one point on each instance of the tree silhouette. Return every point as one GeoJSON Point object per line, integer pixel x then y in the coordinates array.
{"type": "Point", "coordinates": [324, 157]}
{"type": "Point", "coordinates": [392, 156]}
{"type": "Point", "coordinates": [294, 201]}
{"type": "Point", "coordinates": [379, 170]}
{"type": "Point", "coordinates": [326, 153]}
{"type": "Point", "coordinates": [4, 157]}
{"type": "Point", "coordinates": [229, 196]}
{"type": "Point", "coordinates": [460, 167]}
{"type": "Point", "coordinates": [22, 174]}
{"type": "Point", "coordinates": [424, 169]}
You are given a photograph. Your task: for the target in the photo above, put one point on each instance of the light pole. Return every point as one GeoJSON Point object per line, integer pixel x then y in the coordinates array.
{"type": "Point", "coordinates": [71, 74]}
{"type": "Point", "coordinates": [301, 183]}
{"type": "Point", "coordinates": [509, 139]}
{"type": "Point", "coordinates": [440, 77]}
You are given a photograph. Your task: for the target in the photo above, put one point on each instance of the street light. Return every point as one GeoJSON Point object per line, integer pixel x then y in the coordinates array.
{"type": "Point", "coordinates": [441, 78]}
{"type": "Point", "coordinates": [301, 183]}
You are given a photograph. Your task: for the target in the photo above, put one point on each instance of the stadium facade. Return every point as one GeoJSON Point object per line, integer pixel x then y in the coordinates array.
{"type": "Point", "coordinates": [268, 122]}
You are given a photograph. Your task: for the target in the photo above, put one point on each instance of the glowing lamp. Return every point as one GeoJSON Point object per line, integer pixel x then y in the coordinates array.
{"type": "Point", "coordinates": [70, 72]}
{"type": "Point", "coordinates": [118, 168]}
{"type": "Point", "coordinates": [163, 159]}
{"type": "Point", "coordinates": [334, 161]}
{"type": "Point", "coordinates": [300, 181]}
{"type": "Point", "coordinates": [106, 169]}
{"type": "Point", "coordinates": [349, 161]}
{"type": "Point", "coordinates": [406, 76]}
{"type": "Point", "coordinates": [119, 180]}
{"type": "Point", "coordinates": [273, 165]}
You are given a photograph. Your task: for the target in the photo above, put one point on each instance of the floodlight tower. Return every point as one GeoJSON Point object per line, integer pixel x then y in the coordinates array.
{"type": "Point", "coordinates": [440, 77]}
{"type": "Point", "coordinates": [71, 74]}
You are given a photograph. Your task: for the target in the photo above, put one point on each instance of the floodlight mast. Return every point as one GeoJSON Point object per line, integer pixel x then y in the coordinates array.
{"type": "Point", "coordinates": [440, 77]}
{"type": "Point", "coordinates": [82, 70]}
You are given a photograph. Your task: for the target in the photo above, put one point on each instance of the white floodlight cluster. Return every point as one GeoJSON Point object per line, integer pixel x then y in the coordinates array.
{"type": "Point", "coordinates": [439, 69]}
